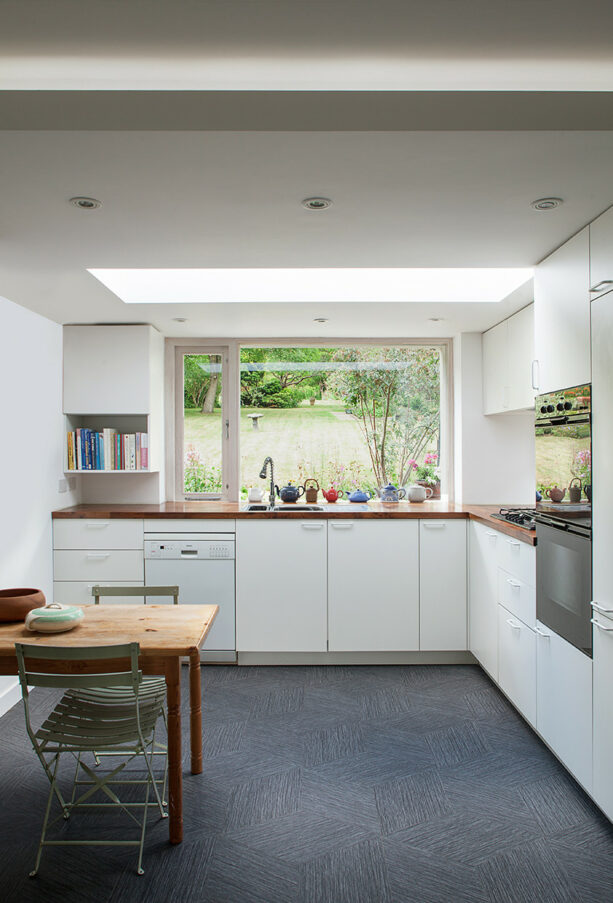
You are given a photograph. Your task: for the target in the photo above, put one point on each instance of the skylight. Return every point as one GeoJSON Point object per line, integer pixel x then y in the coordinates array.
{"type": "Point", "coordinates": [304, 285]}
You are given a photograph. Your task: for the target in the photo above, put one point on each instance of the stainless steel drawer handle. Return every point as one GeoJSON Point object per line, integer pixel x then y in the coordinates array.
{"type": "Point", "coordinates": [491, 533]}
{"type": "Point", "coordinates": [342, 526]}
{"type": "Point", "coordinates": [98, 555]}
{"type": "Point", "coordinates": [543, 633]}
{"type": "Point", "coordinates": [311, 526]}
{"type": "Point", "coordinates": [97, 524]}
{"type": "Point", "coordinates": [535, 375]}
{"type": "Point", "coordinates": [602, 609]}
{"type": "Point", "coordinates": [513, 624]}
{"type": "Point", "coordinates": [600, 285]}
{"type": "Point", "coordinates": [434, 526]}
{"type": "Point", "coordinates": [513, 542]}
{"type": "Point", "coordinates": [601, 626]}
{"type": "Point", "coordinates": [513, 583]}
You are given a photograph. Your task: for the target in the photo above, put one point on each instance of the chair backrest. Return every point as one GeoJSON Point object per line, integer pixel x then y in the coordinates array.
{"type": "Point", "coordinates": [144, 591]}
{"type": "Point", "coordinates": [34, 671]}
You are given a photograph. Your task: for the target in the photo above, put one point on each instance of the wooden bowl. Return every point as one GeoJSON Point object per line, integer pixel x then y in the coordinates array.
{"type": "Point", "coordinates": [16, 603]}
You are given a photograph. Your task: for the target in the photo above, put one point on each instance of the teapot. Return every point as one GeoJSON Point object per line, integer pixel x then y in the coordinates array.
{"type": "Point", "coordinates": [290, 493]}
{"type": "Point", "coordinates": [358, 495]}
{"type": "Point", "coordinates": [418, 493]}
{"type": "Point", "coordinates": [311, 490]}
{"type": "Point", "coordinates": [332, 494]}
{"type": "Point", "coordinates": [555, 494]}
{"type": "Point", "coordinates": [389, 493]}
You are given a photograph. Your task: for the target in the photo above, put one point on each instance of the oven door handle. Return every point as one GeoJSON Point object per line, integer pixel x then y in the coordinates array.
{"type": "Point", "coordinates": [601, 626]}
{"type": "Point", "coordinates": [602, 609]}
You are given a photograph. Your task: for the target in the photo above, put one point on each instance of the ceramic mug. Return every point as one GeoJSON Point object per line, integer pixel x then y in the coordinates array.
{"type": "Point", "coordinates": [255, 494]}
{"type": "Point", "coordinates": [419, 493]}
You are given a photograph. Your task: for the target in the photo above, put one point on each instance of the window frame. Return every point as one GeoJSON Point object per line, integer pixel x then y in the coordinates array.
{"type": "Point", "coordinates": [229, 350]}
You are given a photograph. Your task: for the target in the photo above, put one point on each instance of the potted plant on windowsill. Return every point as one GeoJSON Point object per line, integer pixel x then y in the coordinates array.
{"type": "Point", "coordinates": [427, 474]}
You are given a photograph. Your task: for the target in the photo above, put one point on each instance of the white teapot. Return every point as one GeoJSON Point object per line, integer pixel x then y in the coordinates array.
{"type": "Point", "coordinates": [417, 493]}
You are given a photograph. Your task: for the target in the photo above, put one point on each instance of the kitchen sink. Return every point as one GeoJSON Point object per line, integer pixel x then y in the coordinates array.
{"type": "Point", "coordinates": [277, 508]}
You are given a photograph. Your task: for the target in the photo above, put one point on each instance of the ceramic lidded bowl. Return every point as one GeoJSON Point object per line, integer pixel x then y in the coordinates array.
{"type": "Point", "coordinates": [54, 618]}
{"type": "Point", "coordinates": [16, 603]}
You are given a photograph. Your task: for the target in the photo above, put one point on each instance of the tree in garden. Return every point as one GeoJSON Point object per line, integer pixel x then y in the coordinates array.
{"type": "Point", "coordinates": [395, 394]}
{"type": "Point", "coordinates": [201, 385]}
{"type": "Point", "coordinates": [275, 377]}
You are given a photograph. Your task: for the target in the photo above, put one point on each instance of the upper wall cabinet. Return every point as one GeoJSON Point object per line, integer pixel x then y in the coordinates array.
{"type": "Point", "coordinates": [562, 316]}
{"type": "Point", "coordinates": [112, 369]}
{"type": "Point", "coordinates": [601, 254]}
{"type": "Point", "coordinates": [508, 352]}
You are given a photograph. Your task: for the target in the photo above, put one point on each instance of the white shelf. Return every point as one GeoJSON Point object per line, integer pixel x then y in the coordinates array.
{"type": "Point", "coordinates": [73, 473]}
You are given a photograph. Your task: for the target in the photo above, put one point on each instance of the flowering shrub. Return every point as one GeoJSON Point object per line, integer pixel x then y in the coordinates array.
{"type": "Point", "coordinates": [198, 476]}
{"type": "Point", "coordinates": [582, 466]}
{"type": "Point", "coordinates": [428, 471]}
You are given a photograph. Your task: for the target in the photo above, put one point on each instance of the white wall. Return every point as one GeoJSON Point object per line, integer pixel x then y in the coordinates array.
{"type": "Point", "coordinates": [31, 461]}
{"type": "Point", "coordinates": [494, 455]}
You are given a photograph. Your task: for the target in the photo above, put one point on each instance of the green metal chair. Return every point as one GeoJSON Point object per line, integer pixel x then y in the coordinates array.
{"type": "Point", "coordinates": [98, 591]}
{"type": "Point", "coordinates": [121, 723]}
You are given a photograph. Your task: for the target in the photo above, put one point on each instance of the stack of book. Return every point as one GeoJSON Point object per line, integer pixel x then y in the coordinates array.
{"type": "Point", "coordinates": [107, 450]}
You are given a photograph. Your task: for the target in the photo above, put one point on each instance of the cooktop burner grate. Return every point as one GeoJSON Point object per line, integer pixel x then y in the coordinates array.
{"type": "Point", "coordinates": [521, 517]}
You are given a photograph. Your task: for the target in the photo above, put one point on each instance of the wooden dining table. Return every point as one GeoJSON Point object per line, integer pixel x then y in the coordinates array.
{"type": "Point", "coordinates": [165, 634]}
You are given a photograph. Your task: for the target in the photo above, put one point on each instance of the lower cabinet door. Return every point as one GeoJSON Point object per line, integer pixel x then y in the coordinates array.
{"type": "Point", "coordinates": [442, 590]}
{"type": "Point", "coordinates": [281, 586]}
{"type": "Point", "coordinates": [517, 663]}
{"type": "Point", "coordinates": [483, 601]}
{"type": "Point", "coordinates": [603, 717]}
{"type": "Point", "coordinates": [373, 585]}
{"type": "Point", "coordinates": [564, 702]}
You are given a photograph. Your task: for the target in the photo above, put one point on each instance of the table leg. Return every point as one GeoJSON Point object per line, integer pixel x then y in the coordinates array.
{"type": "Point", "coordinates": [175, 776]}
{"type": "Point", "coordinates": [195, 709]}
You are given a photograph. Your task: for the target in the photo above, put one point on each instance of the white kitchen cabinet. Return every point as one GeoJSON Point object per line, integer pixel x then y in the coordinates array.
{"type": "Point", "coordinates": [495, 370]}
{"type": "Point", "coordinates": [518, 597]}
{"type": "Point", "coordinates": [97, 533]}
{"type": "Point", "coordinates": [482, 595]}
{"type": "Point", "coordinates": [564, 702]}
{"type": "Point", "coordinates": [92, 566]}
{"type": "Point", "coordinates": [281, 572]}
{"type": "Point", "coordinates": [518, 559]}
{"type": "Point", "coordinates": [517, 663]}
{"type": "Point", "coordinates": [601, 254]}
{"type": "Point", "coordinates": [373, 585]}
{"type": "Point", "coordinates": [562, 316]}
{"type": "Point", "coordinates": [507, 355]}
{"type": "Point", "coordinates": [603, 718]}
{"type": "Point", "coordinates": [520, 350]}
{"type": "Point", "coordinates": [110, 369]}
{"type": "Point", "coordinates": [442, 589]}
{"type": "Point", "coordinates": [78, 592]}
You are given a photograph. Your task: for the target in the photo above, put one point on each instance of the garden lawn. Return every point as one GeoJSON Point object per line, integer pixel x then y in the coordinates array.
{"type": "Point", "coordinates": [302, 442]}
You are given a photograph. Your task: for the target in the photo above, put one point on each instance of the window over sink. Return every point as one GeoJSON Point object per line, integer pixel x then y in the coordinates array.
{"type": "Point", "coordinates": [346, 415]}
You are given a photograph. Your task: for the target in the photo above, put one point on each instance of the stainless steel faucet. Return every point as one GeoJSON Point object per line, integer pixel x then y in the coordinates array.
{"type": "Point", "coordinates": [268, 461]}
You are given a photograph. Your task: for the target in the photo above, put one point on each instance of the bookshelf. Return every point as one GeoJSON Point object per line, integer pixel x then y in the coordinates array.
{"type": "Point", "coordinates": [120, 423]}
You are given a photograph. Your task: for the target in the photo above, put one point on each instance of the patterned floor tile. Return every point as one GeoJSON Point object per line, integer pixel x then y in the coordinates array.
{"type": "Point", "coordinates": [356, 874]}
{"type": "Point", "coordinates": [557, 803]}
{"type": "Point", "coordinates": [456, 745]}
{"type": "Point", "coordinates": [240, 874]}
{"type": "Point", "coordinates": [527, 874]}
{"type": "Point", "coordinates": [410, 801]}
{"type": "Point", "coordinates": [264, 799]}
{"type": "Point", "coordinates": [330, 744]}
{"type": "Point", "coordinates": [418, 878]}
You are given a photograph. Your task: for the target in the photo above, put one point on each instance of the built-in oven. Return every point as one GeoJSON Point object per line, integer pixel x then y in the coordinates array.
{"type": "Point", "coordinates": [563, 514]}
{"type": "Point", "coordinates": [564, 580]}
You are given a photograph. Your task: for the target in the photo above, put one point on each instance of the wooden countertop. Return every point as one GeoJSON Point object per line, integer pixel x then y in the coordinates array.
{"type": "Point", "coordinates": [234, 510]}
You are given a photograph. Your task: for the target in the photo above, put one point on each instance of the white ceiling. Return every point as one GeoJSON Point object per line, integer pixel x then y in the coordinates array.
{"type": "Point", "coordinates": [225, 199]}
{"type": "Point", "coordinates": [435, 183]}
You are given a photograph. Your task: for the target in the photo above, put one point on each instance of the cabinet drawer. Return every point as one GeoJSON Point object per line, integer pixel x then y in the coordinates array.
{"type": "Point", "coordinates": [442, 600]}
{"type": "Point", "coordinates": [190, 525]}
{"type": "Point", "coordinates": [517, 558]}
{"type": "Point", "coordinates": [78, 592]}
{"type": "Point", "coordinates": [517, 663]}
{"type": "Point", "coordinates": [97, 533]}
{"type": "Point", "coordinates": [116, 565]}
{"type": "Point", "coordinates": [518, 597]}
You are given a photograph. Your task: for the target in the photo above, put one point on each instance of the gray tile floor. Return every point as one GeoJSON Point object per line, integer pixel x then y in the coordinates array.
{"type": "Point", "coordinates": [336, 785]}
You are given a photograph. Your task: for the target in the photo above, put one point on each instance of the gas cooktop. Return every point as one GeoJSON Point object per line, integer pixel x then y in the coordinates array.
{"type": "Point", "coordinates": [521, 517]}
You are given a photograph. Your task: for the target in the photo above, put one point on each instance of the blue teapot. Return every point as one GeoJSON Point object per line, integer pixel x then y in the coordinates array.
{"type": "Point", "coordinates": [358, 495]}
{"type": "Point", "coordinates": [389, 493]}
{"type": "Point", "coordinates": [290, 493]}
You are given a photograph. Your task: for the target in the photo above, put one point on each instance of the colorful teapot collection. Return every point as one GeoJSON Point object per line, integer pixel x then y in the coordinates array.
{"type": "Point", "coordinates": [387, 494]}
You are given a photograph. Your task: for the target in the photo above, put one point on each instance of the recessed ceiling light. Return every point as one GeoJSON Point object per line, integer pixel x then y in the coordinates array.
{"type": "Point", "coordinates": [317, 203]}
{"type": "Point", "coordinates": [546, 203]}
{"type": "Point", "coordinates": [179, 319]}
{"type": "Point", "coordinates": [320, 320]}
{"type": "Point", "coordinates": [86, 203]}
{"type": "Point", "coordinates": [436, 321]}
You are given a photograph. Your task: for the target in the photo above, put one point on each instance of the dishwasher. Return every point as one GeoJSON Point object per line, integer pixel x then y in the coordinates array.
{"type": "Point", "coordinates": [202, 566]}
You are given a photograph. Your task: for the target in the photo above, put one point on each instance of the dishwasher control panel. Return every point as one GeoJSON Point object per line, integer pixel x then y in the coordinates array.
{"type": "Point", "coordinates": [175, 549]}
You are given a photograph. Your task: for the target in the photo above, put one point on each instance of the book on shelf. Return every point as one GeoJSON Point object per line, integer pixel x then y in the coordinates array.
{"type": "Point", "coordinates": [106, 449]}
